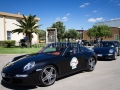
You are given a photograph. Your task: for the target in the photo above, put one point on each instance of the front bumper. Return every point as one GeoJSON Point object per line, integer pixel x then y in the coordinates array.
{"type": "Point", "coordinates": [31, 80]}
{"type": "Point", "coordinates": [105, 56]}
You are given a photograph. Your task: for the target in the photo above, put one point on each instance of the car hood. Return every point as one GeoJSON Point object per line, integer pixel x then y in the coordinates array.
{"type": "Point", "coordinates": [102, 49]}
{"type": "Point", "coordinates": [21, 61]}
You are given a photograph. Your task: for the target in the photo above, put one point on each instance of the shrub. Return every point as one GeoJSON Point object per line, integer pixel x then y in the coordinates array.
{"type": "Point", "coordinates": [9, 43]}
{"type": "Point", "coordinates": [1, 43]}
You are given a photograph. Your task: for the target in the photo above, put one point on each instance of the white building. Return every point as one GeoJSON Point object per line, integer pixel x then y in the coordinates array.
{"type": "Point", "coordinates": [7, 23]}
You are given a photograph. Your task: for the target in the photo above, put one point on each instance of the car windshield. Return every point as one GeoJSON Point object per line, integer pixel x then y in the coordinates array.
{"type": "Point", "coordinates": [54, 48]}
{"type": "Point", "coordinates": [106, 44]}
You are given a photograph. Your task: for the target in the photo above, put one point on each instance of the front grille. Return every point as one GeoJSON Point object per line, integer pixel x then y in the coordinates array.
{"type": "Point", "coordinates": [10, 79]}
{"type": "Point", "coordinates": [16, 81]}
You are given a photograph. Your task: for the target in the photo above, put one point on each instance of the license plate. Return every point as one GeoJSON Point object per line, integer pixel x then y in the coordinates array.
{"type": "Point", "coordinates": [99, 55]}
{"type": "Point", "coordinates": [3, 75]}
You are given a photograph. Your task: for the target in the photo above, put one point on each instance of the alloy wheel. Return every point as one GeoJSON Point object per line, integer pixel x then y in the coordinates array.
{"type": "Point", "coordinates": [48, 75]}
{"type": "Point", "coordinates": [115, 55]}
{"type": "Point", "coordinates": [91, 64]}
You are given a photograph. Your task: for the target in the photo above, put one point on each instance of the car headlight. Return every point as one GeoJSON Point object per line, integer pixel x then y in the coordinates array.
{"type": "Point", "coordinates": [111, 51]}
{"type": "Point", "coordinates": [29, 66]}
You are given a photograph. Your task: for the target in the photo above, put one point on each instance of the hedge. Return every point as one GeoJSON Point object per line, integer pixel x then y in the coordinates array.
{"type": "Point", "coordinates": [7, 43]}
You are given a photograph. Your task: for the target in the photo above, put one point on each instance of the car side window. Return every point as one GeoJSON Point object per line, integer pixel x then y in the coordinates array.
{"type": "Point", "coordinates": [81, 49]}
{"type": "Point", "coordinates": [73, 49]}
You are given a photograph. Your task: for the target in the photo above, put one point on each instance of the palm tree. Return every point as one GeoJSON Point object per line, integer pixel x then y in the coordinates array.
{"type": "Point", "coordinates": [27, 26]}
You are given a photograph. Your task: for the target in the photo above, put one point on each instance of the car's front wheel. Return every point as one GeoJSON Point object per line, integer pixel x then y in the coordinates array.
{"type": "Point", "coordinates": [115, 56]}
{"type": "Point", "coordinates": [48, 75]}
{"type": "Point", "coordinates": [118, 52]}
{"type": "Point", "coordinates": [91, 63]}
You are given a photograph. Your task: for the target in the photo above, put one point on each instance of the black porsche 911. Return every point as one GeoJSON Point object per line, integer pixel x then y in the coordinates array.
{"type": "Point", "coordinates": [117, 45]}
{"type": "Point", "coordinates": [53, 61]}
{"type": "Point", "coordinates": [106, 50]}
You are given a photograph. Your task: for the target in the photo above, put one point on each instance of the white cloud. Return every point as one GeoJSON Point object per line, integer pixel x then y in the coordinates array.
{"type": "Point", "coordinates": [91, 20]}
{"type": "Point", "coordinates": [86, 3]}
{"type": "Point", "coordinates": [68, 14]}
{"type": "Point", "coordinates": [83, 5]}
{"type": "Point", "coordinates": [87, 15]}
{"type": "Point", "coordinates": [95, 11]}
{"type": "Point", "coordinates": [119, 4]}
{"type": "Point", "coordinates": [57, 19]}
{"type": "Point", "coordinates": [115, 19]}
{"type": "Point", "coordinates": [64, 19]}
{"type": "Point", "coordinates": [99, 19]}
{"type": "Point", "coordinates": [95, 19]}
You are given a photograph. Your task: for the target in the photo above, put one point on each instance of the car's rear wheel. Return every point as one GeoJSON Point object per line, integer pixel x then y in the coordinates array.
{"type": "Point", "coordinates": [48, 75]}
{"type": "Point", "coordinates": [91, 63]}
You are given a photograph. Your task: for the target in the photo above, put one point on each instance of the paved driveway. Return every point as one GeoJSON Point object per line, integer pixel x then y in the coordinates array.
{"type": "Point", "coordinates": [106, 76]}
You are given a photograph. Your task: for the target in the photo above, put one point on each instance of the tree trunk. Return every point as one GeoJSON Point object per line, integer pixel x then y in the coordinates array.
{"type": "Point", "coordinates": [68, 40]}
{"type": "Point", "coordinates": [28, 40]}
{"type": "Point", "coordinates": [58, 40]}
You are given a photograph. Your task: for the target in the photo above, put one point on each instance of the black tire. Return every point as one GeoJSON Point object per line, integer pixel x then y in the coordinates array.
{"type": "Point", "coordinates": [115, 56]}
{"type": "Point", "coordinates": [91, 64]}
{"type": "Point", "coordinates": [48, 75]}
{"type": "Point", "coordinates": [118, 52]}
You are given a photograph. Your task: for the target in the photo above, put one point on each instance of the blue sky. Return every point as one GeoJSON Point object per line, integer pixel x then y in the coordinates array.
{"type": "Point", "coordinates": [74, 14]}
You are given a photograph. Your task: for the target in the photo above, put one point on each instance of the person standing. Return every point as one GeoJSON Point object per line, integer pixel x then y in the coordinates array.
{"type": "Point", "coordinates": [77, 40]}
{"type": "Point", "coordinates": [80, 41]}
{"type": "Point", "coordinates": [101, 39]}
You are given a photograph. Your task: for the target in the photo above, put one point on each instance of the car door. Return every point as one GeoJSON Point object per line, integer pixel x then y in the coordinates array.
{"type": "Point", "coordinates": [70, 63]}
{"type": "Point", "coordinates": [81, 58]}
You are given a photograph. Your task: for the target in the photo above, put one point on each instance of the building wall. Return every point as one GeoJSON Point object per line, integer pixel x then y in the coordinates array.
{"type": "Point", "coordinates": [85, 36]}
{"type": "Point", "coordinates": [113, 31]}
{"type": "Point", "coordinates": [1, 28]}
{"type": "Point", "coordinates": [9, 26]}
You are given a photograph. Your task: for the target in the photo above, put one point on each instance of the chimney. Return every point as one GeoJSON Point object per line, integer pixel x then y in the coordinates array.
{"type": "Point", "coordinates": [18, 13]}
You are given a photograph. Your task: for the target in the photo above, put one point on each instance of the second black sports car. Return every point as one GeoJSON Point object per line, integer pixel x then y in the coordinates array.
{"type": "Point", "coordinates": [117, 45]}
{"type": "Point", "coordinates": [105, 50]}
{"type": "Point", "coordinates": [52, 62]}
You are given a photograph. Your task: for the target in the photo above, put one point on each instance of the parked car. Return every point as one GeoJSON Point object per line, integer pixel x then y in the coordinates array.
{"type": "Point", "coordinates": [42, 40]}
{"type": "Point", "coordinates": [52, 62]}
{"type": "Point", "coordinates": [117, 45]}
{"type": "Point", "coordinates": [86, 43]}
{"type": "Point", "coordinates": [105, 50]}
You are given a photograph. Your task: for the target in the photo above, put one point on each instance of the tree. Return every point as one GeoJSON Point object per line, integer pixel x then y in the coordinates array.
{"type": "Point", "coordinates": [90, 33]}
{"type": "Point", "coordinates": [99, 31]}
{"type": "Point", "coordinates": [27, 26]}
{"type": "Point", "coordinates": [79, 35]}
{"type": "Point", "coordinates": [42, 34]}
{"type": "Point", "coordinates": [73, 33]}
{"type": "Point", "coordinates": [60, 29]}
{"type": "Point", "coordinates": [70, 33]}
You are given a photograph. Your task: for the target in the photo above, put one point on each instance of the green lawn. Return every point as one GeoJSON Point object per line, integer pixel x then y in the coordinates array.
{"type": "Point", "coordinates": [18, 50]}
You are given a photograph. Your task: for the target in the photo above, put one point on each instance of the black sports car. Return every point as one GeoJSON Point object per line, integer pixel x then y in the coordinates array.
{"type": "Point", "coordinates": [105, 50]}
{"type": "Point", "coordinates": [53, 61]}
{"type": "Point", "coordinates": [117, 45]}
